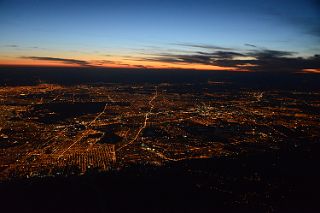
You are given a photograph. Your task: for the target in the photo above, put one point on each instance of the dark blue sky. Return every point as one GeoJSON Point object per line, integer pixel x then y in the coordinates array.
{"type": "Point", "coordinates": [111, 30]}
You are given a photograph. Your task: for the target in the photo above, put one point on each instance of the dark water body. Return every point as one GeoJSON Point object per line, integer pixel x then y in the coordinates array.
{"type": "Point", "coordinates": [153, 132]}
{"type": "Point", "coordinates": [110, 138]}
{"type": "Point", "coordinates": [55, 112]}
{"type": "Point", "coordinates": [74, 76]}
{"type": "Point", "coordinates": [63, 111]}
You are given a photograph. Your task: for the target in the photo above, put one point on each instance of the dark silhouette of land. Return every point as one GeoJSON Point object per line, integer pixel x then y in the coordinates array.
{"type": "Point", "coordinates": [22, 75]}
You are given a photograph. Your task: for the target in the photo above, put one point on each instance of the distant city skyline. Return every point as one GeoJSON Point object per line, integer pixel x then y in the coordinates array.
{"type": "Point", "coordinates": [278, 36]}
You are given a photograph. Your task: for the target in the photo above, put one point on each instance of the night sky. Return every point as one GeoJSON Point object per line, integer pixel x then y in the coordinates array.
{"type": "Point", "coordinates": [259, 35]}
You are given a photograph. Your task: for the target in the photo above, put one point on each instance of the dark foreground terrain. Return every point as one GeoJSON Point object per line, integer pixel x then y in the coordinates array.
{"type": "Point", "coordinates": [283, 181]}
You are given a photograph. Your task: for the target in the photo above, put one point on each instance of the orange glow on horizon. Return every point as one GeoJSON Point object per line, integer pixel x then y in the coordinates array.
{"type": "Point", "coordinates": [116, 63]}
{"type": "Point", "coordinates": [311, 70]}
{"type": "Point", "coordinates": [27, 62]}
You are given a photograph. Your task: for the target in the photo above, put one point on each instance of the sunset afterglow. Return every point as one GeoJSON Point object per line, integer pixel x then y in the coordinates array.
{"type": "Point", "coordinates": [202, 35]}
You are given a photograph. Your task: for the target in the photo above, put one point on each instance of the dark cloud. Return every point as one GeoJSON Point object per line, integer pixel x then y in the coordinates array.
{"type": "Point", "coordinates": [220, 54]}
{"type": "Point", "coordinates": [104, 62]}
{"type": "Point", "coordinates": [265, 53]}
{"type": "Point", "coordinates": [258, 60]}
{"type": "Point", "coordinates": [207, 58]}
{"type": "Point", "coordinates": [250, 45]}
{"type": "Point", "coordinates": [11, 45]}
{"type": "Point", "coordinates": [203, 46]}
{"type": "Point", "coordinates": [63, 60]}
{"type": "Point", "coordinates": [141, 66]}
{"type": "Point", "coordinates": [274, 61]}
{"type": "Point", "coordinates": [278, 63]}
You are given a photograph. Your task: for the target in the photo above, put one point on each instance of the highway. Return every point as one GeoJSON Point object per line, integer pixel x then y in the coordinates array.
{"type": "Point", "coordinates": [145, 120]}
{"type": "Point", "coordinates": [85, 133]}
